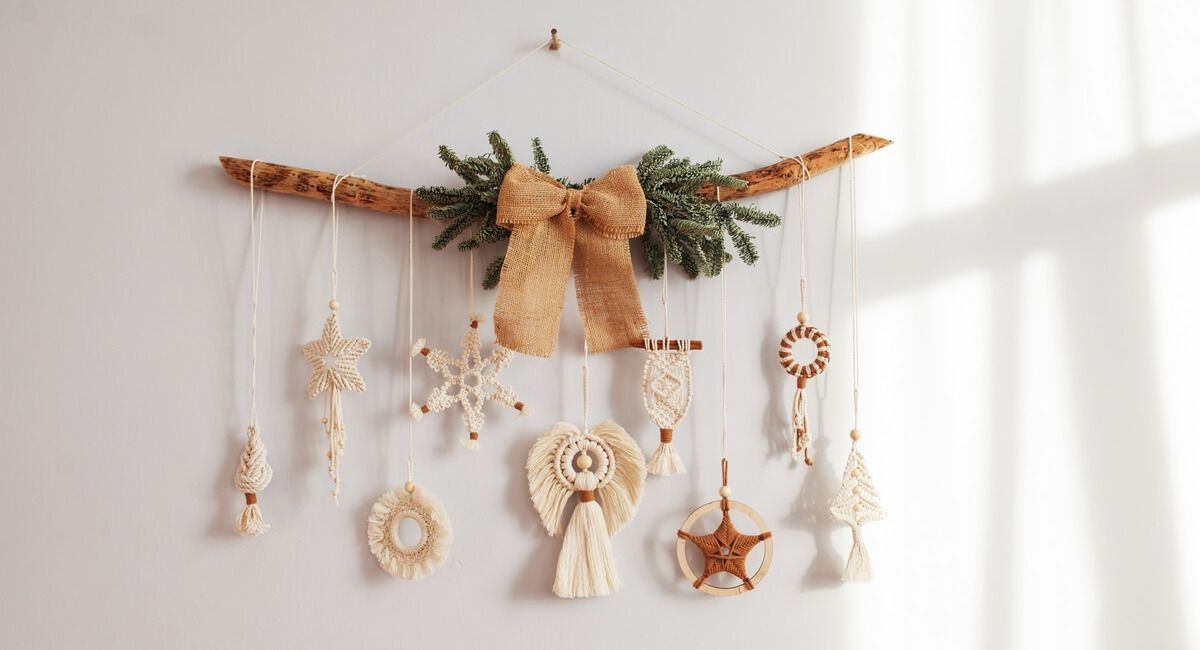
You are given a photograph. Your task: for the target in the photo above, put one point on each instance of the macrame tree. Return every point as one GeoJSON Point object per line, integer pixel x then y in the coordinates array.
{"type": "Point", "coordinates": [681, 226]}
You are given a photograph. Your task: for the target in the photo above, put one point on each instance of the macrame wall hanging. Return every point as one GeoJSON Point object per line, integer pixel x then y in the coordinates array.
{"type": "Point", "coordinates": [605, 468]}
{"type": "Point", "coordinates": [726, 548]}
{"type": "Point", "coordinates": [409, 501]}
{"type": "Point", "coordinates": [470, 380]}
{"type": "Point", "coordinates": [667, 390]}
{"type": "Point", "coordinates": [803, 372]}
{"type": "Point", "coordinates": [856, 502]}
{"type": "Point", "coordinates": [334, 361]}
{"type": "Point", "coordinates": [253, 471]}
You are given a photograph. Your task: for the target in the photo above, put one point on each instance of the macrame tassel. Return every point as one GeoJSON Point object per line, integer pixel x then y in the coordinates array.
{"type": "Point", "coordinates": [253, 476]}
{"type": "Point", "coordinates": [585, 563]}
{"type": "Point", "coordinates": [858, 565]}
{"type": "Point", "coordinates": [800, 422]}
{"type": "Point", "coordinates": [666, 460]}
{"type": "Point", "coordinates": [472, 442]}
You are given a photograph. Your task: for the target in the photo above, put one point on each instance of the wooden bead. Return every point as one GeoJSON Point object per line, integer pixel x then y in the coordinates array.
{"type": "Point", "coordinates": [333, 305]}
{"type": "Point", "coordinates": [725, 491]}
{"type": "Point", "coordinates": [854, 434]}
{"type": "Point", "coordinates": [409, 487]}
{"type": "Point", "coordinates": [583, 461]}
{"type": "Point", "coordinates": [802, 317]}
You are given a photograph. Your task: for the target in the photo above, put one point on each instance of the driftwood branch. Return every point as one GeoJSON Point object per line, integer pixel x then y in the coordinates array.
{"type": "Point", "coordinates": [363, 193]}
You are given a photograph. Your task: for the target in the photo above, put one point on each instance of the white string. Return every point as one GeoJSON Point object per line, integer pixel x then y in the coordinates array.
{"type": "Point", "coordinates": [585, 385]}
{"type": "Point", "coordinates": [427, 121]}
{"type": "Point", "coordinates": [333, 218]}
{"type": "Point", "coordinates": [470, 283]}
{"type": "Point", "coordinates": [677, 101]}
{"type": "Point", "coordinates": [411, 270]}
{"type": "Point", "coordinates": [256, 237]}
{"type": "Point", "coordinates": [804, 177]}
{"type": "Point", "coordinates": [853, 274]}
{"type": "Point", "coordinates": [724, 369]}
{"type": "Point", "coordinates": [666, 306]}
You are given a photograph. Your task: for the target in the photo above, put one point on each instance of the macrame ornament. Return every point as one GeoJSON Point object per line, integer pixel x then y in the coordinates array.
{"type": "Point", "coordinates": [726, 548]}
{"type": "Point", "coordinates": [666, 389]}
{"type": "Point", "coordinates": [856, 502]}
{"type": "Point", "coordinates": [253, 471]}
{"type": "Point", "coordinates": [334, 362]}
{"type": "Point", "coordinates": [471, 379]}
{"type": "Point", "coordinates": [803, 371]}
{"type": "Point", "coordinates": [409, 501]}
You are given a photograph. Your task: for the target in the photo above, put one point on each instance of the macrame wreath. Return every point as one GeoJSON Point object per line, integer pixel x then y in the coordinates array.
{"type": "Point", "coordinates": [803, 373]}
{"type": "Point", "coordinates": [470, 381]}
{"type": "Point", "coordinates": [604, 464]}
{"type": "Point", "coordinates": [692, 230]}
{"type": "Point", "coordinates": [334, 362]}
{"type": "Point", "coordinates": [667, 394]}
{"type": "Point", "coordinates": [414, 503]}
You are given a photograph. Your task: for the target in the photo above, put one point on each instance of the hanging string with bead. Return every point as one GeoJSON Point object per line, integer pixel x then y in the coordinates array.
{"type": "Point", "coordinates": [253, 472]}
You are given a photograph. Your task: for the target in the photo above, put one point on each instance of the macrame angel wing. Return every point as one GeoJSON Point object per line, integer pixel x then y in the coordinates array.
{"type": "Point", "coordinates": [548, 492]}
{"type": "Point", "coordinates": [620, 494]}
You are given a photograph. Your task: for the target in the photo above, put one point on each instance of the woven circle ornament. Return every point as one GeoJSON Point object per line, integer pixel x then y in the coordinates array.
{"type": "Point", "coordinates": [725, 549]}
{"type": "Point", "coordinates": [802, 373]}
{"type": "Point", "coordinates": [413, 503]}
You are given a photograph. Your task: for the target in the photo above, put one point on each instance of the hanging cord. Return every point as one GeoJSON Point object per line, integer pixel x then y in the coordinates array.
{"type": "Point", "coordinates": [470, 283]}
{"type": "Point", "coordinates": [253, 472]}
{"type": "Point", "coordinates": [334, 223]}
{"type": "Point", "coordinates": [585, 385]}
{"type": "Point", "coordinates": [853, 280]}
{"type": "Point", "coordinates": [804, 178]}
{"type": "Point", "coordinates": [725, 491]}
{"type": "Point", "coordinates": [676, 101]}
{"type": "Point", "coordinates": [666, 301]}
{"type": "Point", "coordinates": [411, 272]}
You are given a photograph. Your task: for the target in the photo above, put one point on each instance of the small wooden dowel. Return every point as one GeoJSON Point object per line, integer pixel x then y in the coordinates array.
{"type": "Point", "coordinates": [363, 193]}
{"type": "Point", "coordinates": [673, 344]}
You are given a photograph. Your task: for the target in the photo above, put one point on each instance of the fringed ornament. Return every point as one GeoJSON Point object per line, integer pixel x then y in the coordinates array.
{"type": "Point", "coordinates": [606, 469]}
{"type": "Point", "coordinates": [414, 503]}
{"type": "Point", "coordinates": [667, 394]}
{"type": "Point", "coordinates": [855, 504]}
{"type": "Point", "coordinates": [803, 373]}
{"type": "Point", "coordinates": [253, 476]}
{"type": "Point", "coordinates": [470, 381]}
{"type": "Point", "coordinates": [334, 362]}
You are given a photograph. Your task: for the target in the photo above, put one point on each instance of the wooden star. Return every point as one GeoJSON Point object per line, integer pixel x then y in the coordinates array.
{"type": "Point", "coordinates": [725, 549]}
{"type": "Point", "coordinates": [334, 360]}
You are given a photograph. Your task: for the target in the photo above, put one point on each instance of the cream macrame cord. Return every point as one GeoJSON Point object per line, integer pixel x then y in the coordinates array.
{"type": "Point", "coordinates": [253, 472]}
{"type": "Point", "coordinates": [666, 388]}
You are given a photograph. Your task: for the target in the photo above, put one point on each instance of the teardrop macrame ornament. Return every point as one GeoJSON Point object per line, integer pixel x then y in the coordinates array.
{"type": "Point", "coordinates": [254, 473]}
{"type": "Point", "coordinates": [667, 394]}
{"type": "Point", "coordinates": [856, 502]}
{"type": "Point", "coordinates": [470, 381]}
{"type": "Point", "coordinates": [802, 373]}
{"type": "Point", "coordinates": [414, 503]}
{"type": "Point", "coordinates": [605, 468]}
{"type": "Point", "coordinates": [334, 362]}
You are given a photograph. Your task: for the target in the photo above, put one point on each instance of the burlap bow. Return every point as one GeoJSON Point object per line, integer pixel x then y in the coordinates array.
{"type": "Point", "coordinates": [554, 230]}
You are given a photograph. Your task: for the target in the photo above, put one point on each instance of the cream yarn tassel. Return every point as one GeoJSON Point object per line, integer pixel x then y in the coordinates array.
{"type": "Point", "coordinates": [666, 460]}
{"type": "Point", "coordinates": [585, 563]}
{"type": "Point", "coordinates": [858, 565]}
{"type": "Point", "coordinates": [253, 476]}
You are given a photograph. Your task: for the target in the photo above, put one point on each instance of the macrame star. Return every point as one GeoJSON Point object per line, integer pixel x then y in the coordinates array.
{"type": "Point", "coordinates": [470, 381]}
{"type": "Point", "coordinates": [725, 550]}
{"type": "Point", "coordinates": [334, 362]}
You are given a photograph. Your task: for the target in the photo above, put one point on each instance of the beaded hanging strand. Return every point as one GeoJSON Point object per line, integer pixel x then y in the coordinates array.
{"type": "Point", "coordinates": [856, 502]}
{"type": "Point", "coordinates": [253, 472]}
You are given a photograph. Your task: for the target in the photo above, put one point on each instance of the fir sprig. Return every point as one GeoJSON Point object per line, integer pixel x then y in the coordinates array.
{"type": "Point", "coordinates": [691, 230]}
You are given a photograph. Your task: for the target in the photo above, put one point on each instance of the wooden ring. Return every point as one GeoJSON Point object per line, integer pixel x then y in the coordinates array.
{"type": "Point", "coordinates": [681, 548]}
{"type": "Point", "coordinates": [819, 362]}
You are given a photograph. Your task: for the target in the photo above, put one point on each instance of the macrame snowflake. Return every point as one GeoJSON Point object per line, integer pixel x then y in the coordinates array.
{"type": "Point", "coordinates": [470, 381]}
{"type": "Point", "coordinates": [334, 362]}
{"type": "Point", "coordinates": [855, 504]}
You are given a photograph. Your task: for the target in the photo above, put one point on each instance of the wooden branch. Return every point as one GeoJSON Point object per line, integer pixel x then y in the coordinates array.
{"type": "Point", "coordinates": [673, 344]}
{"type": "Point", "coordinates": [363, 193]}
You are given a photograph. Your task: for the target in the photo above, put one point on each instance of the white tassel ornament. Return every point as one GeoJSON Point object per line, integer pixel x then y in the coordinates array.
{"type": "Point", "coordinates": [253, 476]}
{"type": "Point", "coordinates": [855, 504]}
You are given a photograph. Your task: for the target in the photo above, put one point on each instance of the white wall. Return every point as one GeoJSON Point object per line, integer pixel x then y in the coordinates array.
{"type": "Point", "coordinates": [1029, 309]}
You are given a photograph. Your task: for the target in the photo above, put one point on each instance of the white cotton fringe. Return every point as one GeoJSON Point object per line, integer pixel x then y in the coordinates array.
{"type": "Point", "coordinates": [415, 411]}
{"type": "Point", "coordinates": [250, 523]}
{"type": "Point", "coordinates": [473, 445]}
{"type": "Point", "coordinates": [417, 347]}
{"type": "Point", "coordinates": [666, 461]}
{"type": "Point", "coordinates": [858, 565]}
{"type": "Point", "coordinates": [409, 562]}
{"type": "Point", "coordinates": [585, 563]}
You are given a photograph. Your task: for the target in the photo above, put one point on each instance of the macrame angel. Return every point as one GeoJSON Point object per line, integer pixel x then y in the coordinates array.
{"type": "Point", "coordinates": [605, 468]}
